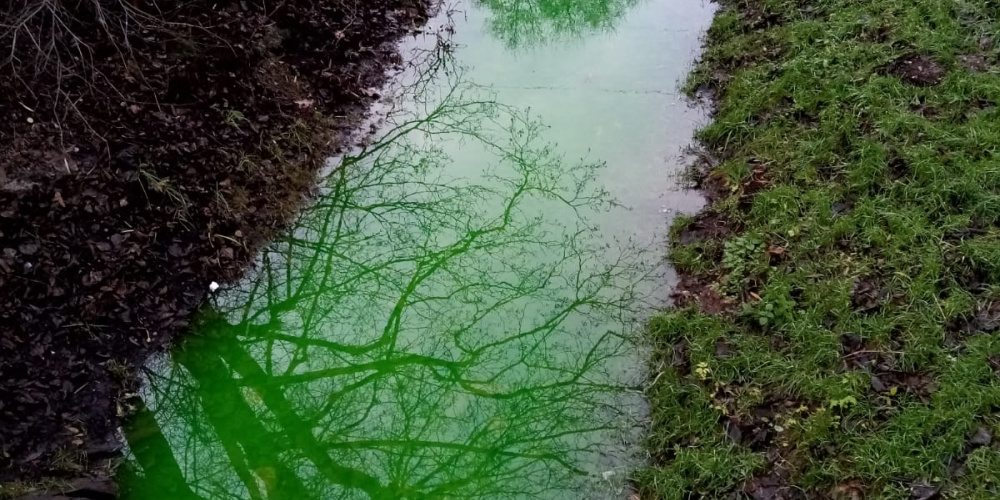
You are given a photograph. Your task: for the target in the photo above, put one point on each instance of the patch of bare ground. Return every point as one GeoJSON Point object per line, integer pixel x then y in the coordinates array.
{"type": "Point", "coordinates": [919, 70]}
{"type": "Point", "coordinates": [136, 174]}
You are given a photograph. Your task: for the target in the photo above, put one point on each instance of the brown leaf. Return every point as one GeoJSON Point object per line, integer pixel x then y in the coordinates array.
{"type": "Point", "coordinates": [849, 490]}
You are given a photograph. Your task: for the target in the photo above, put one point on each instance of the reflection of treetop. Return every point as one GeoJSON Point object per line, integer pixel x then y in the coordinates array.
{"type": "Point", "coordinates": [416, 336]}
{"type": "Point", "coordinates": [525, 22]}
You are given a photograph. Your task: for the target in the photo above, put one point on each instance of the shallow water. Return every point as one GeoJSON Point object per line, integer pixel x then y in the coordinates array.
{"type": "Point", "coordinates": [456, 315]}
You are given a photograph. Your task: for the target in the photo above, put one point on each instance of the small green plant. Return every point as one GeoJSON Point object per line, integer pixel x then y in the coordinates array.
{"type": "Point", "coordinates": [775, 306]}
{"type": "Point", "coordinates": [233, 118]}
{"type": "Point", "coordinates": [166, 187]}
{"type": "Point", "coordinates": [737, 258]}
{"type": "Point", "coordinates": [843, 403]}
{"type": "Point", "coordinates": [119, 369]}
{"type": "Point", "coordinates": [23, 488]}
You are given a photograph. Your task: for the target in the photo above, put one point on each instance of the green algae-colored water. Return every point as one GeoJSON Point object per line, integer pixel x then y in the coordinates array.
{"type": "Point", "coordinates": [456, 315]}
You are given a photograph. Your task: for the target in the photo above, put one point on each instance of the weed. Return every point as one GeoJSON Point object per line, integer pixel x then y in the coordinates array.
{"type": "Point", "coordinates": [151, 182]}
{"type": "Point", "coordinates": [233, 118]}
{"type": "Point", "coordinates": [69, 460]}
{"type": "Point", "coordinates": [120, 370]}
{"type": "Point", "coordinates": [738, 258]}
{"type": "Point", "coordinates": [775, 306]}
{"type": "Point", "coordinates": [18, 489]}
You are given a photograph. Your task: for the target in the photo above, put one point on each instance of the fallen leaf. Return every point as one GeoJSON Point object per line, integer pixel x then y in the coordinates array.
{"type": "Point", "coordinates": [849, 490]}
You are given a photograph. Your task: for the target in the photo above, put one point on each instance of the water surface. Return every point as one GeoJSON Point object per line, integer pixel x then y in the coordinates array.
{"type": "Point", "coordinates": [455, 316]}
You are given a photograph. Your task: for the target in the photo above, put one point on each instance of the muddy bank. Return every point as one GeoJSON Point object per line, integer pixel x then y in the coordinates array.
{"type": "Point", "coordinates": [136, 168]}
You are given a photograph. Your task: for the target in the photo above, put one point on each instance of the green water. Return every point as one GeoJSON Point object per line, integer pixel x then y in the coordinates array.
{"type": "Point", "coordinates": [455, 316]}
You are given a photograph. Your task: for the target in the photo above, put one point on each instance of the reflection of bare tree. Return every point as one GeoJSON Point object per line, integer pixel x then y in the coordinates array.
{"type": "Point", "coordinates": [526, 22]}
{"type": "Point", "coordinates": [418, 335]}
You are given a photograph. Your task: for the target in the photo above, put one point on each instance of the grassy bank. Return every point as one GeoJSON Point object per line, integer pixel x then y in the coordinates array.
{"type": "Point", "coordinates": [835, 335]}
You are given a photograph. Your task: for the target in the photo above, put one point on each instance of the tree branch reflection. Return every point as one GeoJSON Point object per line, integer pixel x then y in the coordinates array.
{"type": "Point", "coordinates": [430, 328]}
{"type": "Point", "coordinates": [522, 23]}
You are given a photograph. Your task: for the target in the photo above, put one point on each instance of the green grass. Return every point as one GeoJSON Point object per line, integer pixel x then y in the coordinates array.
{"type": "Point", "coordinates": [868, 179]}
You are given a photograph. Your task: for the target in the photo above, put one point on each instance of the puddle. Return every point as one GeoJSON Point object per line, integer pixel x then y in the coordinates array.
{"type": "Point", "coordinates": [456, 316]}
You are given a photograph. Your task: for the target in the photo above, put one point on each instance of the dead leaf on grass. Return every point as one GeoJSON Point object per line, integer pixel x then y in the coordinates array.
{"type": "Point", "coordinates": [849, 490]}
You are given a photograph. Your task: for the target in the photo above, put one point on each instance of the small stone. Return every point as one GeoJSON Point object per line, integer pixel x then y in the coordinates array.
{"type": "Point", "coordinates": [981, 437]}
{"type": "Point", "coordinates": [733, 432]}
{"type": "Point", "coordinates": [28, 248]}
{"type": "Point", "coordinates": [924, 492]}
{"type": "Point", "coordinates": [974, 63]}
{"type": "Point", "coordinates": [723, 349]}
{"type": "Point", "coordinates": [877, 384]}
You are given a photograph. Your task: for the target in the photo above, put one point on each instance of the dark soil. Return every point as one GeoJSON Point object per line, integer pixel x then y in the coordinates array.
{"type": "Point", "coordinates": [868, 295]}
{"type": "Point", "coordinates": [694, 290]}
{"type": "Point", "coordinates": [755, 430]}
{"type": "Point", "coordinates": [924, 492]}
{"type": "Point", "coordinates": [916, 383]}
{"type": "Point", "coordinates": [985, 320]}
{"type": "Point", "coordinates": [697, 290]}
{"type": "Point", "coordinates": [918, 70]}
{"type": "Point", "coordinates": [859, 355]}
{"type": "Point", "coordinates": [974, 63]}
{"type": "Point", "coordinates": [131, 181]}
{"type": "Point", "coordinates": [705, 226]}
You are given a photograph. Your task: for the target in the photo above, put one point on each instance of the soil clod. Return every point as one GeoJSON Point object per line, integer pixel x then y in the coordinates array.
{"type": "Point", "coordinates": [868, 295]}
{"type": "Point", "coordinates": [918, 70]}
